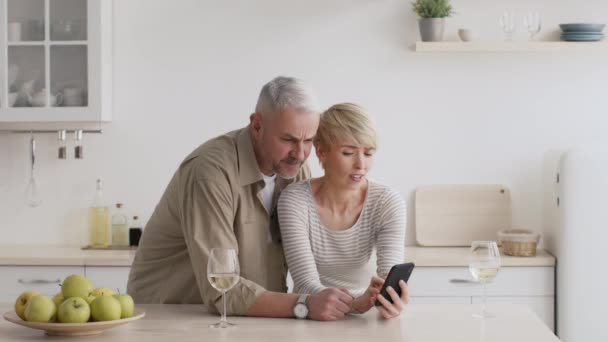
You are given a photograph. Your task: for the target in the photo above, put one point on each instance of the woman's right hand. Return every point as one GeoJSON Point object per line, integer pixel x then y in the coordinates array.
{"type": "Point", "coordinates": [366, 301]}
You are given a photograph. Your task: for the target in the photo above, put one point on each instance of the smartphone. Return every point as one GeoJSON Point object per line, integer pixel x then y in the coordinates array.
{"type": "Point", "coordinates": [397, 272]}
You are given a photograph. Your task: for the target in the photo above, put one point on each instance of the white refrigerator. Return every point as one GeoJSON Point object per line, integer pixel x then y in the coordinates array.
{"type": "Point", "coordinates": [579, 240]}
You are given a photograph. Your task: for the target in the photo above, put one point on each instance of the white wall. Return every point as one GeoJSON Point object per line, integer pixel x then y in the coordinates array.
{"type": "Point", "coordinates": [188, 70]}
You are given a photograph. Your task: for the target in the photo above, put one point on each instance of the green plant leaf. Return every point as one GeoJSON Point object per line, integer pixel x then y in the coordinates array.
{"type": "Point", "coordinates": [432, 8]}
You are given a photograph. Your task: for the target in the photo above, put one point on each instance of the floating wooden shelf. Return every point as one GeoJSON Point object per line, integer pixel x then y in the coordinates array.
{"type": "Point", "coordinates": [554, 46]}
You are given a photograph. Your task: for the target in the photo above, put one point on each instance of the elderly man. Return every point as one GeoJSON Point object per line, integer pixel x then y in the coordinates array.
{"type": "Point", "coordinates": [224, 194]}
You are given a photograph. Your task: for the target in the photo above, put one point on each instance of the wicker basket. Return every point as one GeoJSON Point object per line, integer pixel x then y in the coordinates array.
{"type": "Point", "coordinates": [518, 242]}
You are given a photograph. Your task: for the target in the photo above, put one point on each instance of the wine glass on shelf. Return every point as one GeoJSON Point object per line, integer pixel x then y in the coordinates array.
{"type": "Point", "coordinates": [532, 23]}
{"type": "Point", "coordinates": [223, 274]}
{"type": "Point", "coordinates": [507, 23]}
{"type": "Point", "coordinates": [484, 263]}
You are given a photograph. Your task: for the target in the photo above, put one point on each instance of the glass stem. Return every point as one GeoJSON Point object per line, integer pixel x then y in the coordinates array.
{"type": "Point", "coordinates": [483, 307]}
{"type": "Point", "coordinates": [223, 319]}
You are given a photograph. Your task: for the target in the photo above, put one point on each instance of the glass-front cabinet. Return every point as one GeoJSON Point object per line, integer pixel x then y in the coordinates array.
{"type": "Point", "coordinates": [55, 60]}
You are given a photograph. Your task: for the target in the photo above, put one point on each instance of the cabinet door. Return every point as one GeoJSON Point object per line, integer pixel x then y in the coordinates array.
{"type": "Point", "coordinates": [543, 306]}
{"type": "Point", "coordinates": [510, 281]}
{"type": "Point", "coordinates": [43, 279]}
{"type": "Point", "coordinates": [440, 300]}
{"type": "Point", "coordinates": [51, 65]}
{"type": "Point", "coordinates": [113, 277]}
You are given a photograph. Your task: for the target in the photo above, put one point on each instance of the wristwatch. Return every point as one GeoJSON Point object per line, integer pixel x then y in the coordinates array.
{"type": "Point", "coordinates": [301, 310]}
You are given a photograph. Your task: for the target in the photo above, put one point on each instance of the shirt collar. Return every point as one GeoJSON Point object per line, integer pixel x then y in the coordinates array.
{"type": "Point", "coordinates": [249, 170]}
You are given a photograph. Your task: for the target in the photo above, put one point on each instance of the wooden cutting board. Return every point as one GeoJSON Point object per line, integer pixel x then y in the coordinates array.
{"type": "Point", "coordinates": [455, 215]}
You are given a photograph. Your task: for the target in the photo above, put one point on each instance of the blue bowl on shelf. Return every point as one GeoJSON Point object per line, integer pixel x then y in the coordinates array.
{"type": "Point", "coordinates": [582, 27]}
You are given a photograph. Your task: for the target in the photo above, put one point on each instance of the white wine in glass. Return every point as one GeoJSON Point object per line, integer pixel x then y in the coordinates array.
{"type": "Point", "coordinates": [223, 274]}
{"type": "Point", "coordinates": [484, 264]}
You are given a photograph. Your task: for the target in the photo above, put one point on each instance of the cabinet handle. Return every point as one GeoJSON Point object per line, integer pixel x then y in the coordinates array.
{"type": "Point", "coordinates": [39, 281]}
{"type": "Point", "coordinates": [462, 281]}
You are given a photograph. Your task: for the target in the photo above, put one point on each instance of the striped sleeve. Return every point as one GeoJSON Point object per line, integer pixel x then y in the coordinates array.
{"type": "Point", "coordinates": [294, 225]}
{"type": "Point", "coordinates": [390, 232]}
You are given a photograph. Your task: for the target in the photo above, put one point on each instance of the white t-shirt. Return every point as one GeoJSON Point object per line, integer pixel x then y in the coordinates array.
{"type": "Point", "coordinates": [267, 192]}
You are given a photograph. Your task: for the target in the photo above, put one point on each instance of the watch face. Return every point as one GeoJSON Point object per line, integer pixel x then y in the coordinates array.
{"type": "Point", "coordinates": [300, 310]}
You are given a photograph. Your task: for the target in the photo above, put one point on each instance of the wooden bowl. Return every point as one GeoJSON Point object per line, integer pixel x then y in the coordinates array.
{"type": "Point", "coordinates": [73, 329]}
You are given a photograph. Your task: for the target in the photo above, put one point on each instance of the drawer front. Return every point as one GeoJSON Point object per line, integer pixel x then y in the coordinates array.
{"type": "Point", "coordinates": [43, 279]}
{"type": "Point", "coordinates": [510, 281]}
{"type": "Point", "coordinates": [113, 277]}
{"type": "Point", "coordinates": [440, 300]}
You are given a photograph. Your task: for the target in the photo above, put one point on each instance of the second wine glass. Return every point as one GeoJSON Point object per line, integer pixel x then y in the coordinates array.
{"type": "Point", "coordinates": [223, 274]}
{"type": "Point", "coordinates": [484, 263]}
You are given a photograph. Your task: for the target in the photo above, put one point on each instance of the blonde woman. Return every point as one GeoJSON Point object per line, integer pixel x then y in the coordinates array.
{"type": "Point", "coordinates": [331, 225]}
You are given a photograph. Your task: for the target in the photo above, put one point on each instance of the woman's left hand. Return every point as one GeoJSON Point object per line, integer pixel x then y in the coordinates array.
{"type": "Point", "coordinates": [390, 310]}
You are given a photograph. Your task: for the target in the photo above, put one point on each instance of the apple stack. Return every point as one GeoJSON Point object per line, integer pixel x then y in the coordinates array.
{"type": "Point", "coordinates": [78, 302]}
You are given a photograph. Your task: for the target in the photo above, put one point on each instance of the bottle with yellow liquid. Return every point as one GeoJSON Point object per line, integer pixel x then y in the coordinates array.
{"type": "Point", "coordinates": [99, 217]}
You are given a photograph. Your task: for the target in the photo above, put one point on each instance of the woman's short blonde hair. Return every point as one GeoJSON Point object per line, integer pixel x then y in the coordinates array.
{"type": "Point", "coordinates": [346, 123]}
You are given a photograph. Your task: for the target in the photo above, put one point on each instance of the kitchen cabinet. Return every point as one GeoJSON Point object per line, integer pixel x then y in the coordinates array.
{"type": "Point", "coordinates": [55, 61]}
{"type": "Point", "coordinates": [43, 279]}
{"type": "Point", "coordinates": [533, 286]}
{"type": "Point", "coordinates": [113, 277]}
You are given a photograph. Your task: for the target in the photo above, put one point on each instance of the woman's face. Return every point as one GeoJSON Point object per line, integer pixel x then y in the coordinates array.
{"type": "Point", "coordinates": [346, 164]}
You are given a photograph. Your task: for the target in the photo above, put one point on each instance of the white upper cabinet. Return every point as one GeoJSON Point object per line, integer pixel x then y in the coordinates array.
{"type": "Point", "coordinates": [55, 60]}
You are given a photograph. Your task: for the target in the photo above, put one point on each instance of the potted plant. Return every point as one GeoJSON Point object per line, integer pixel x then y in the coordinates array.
{"type": "Point", "coordinates": [432, 15]}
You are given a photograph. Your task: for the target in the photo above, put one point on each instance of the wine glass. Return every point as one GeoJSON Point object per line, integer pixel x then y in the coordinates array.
{"type": "Point", "coordinates": [223, 274]}
{"type": "Point", "coordinates": [484, 263]}
{"type": "Point", "coordinates": [507, 23]}
{"type": "Point", "coordinates": [532, 23]}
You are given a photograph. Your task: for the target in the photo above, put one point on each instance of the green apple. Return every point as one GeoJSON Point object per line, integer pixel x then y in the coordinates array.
{"type": "Point", "coordinates": [58, 299]}
{"type": "Point", "coordinates": [76, 286]}
{"type": "Point", "coordinates": [127, 306]}
{"type": "Point", "coordinates": [22, 301]}
{"type": "Point", "coordinates": [40, 309]}
{"type": "Point", "coordinates": [90, 299]}
{"type": "Point", "coordinates": [105, 308]}
{"type": "Point", "coordinates": [102, 291]}
{"type": "Point", "coordinates": [74, 310]}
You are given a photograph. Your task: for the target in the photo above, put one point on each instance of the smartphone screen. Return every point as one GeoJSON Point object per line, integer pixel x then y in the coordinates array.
{"type": "Point", "coordinates": [397, 272]}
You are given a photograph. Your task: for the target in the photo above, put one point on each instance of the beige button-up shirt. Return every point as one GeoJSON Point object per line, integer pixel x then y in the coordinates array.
{"type": "Point", "coordinates": [213, 200]}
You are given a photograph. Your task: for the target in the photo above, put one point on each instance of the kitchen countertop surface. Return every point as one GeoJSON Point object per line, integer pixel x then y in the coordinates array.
{"type": "Point", "coordinates": [457, 256]}
{"type": "Point", "coordinates": [418, 323]}
{"type": "Point", "coordinates": [63, 256]}
{"type": "Point", "coordinates": [74, 256]}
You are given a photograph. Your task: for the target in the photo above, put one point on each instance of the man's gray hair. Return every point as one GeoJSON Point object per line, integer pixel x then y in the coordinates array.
{"type": "Point", "coordinates": [286, 92]}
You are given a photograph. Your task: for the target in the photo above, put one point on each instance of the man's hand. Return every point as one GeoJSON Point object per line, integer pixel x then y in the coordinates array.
{"type": "Point", "coordinates": [329, 305]}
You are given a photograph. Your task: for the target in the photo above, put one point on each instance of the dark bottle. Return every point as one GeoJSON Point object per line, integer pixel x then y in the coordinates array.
{"type": "Point", "coordinates": [135, 232]}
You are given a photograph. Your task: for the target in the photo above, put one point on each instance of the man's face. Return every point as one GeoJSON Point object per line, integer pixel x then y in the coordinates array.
{"type": "Point", "coordinates": [283, 140]}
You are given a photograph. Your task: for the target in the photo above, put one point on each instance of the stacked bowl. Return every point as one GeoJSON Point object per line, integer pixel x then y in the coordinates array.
{"type": "Point", "coordinates": [582, 32]}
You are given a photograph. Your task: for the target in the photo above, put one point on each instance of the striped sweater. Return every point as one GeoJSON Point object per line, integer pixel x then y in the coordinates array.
{"type": "Point", "coordinates": [320, 258]}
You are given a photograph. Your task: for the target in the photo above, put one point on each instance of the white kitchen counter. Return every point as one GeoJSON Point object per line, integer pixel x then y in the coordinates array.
{"type": "Point", "coordinates": [457, 256]}
{"type": "Point", "coordinates": [418, 323]}
{"type": "Point", "coordinates": [74, 256]}
{"type": "Point", "coordinates": [63, 256]}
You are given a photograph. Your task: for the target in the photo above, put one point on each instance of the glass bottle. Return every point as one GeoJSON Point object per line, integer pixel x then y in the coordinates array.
{"type": "Point", "coordinates": [99, 217]}
{"type": "Point", "coordinates": [120, 228]}
{"type": "Point", "coordinates": [62, 150]}
{"type": "Point", "coordinates": [135, 232]}
{"type": "Point", "coordinates": [78, 151]}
